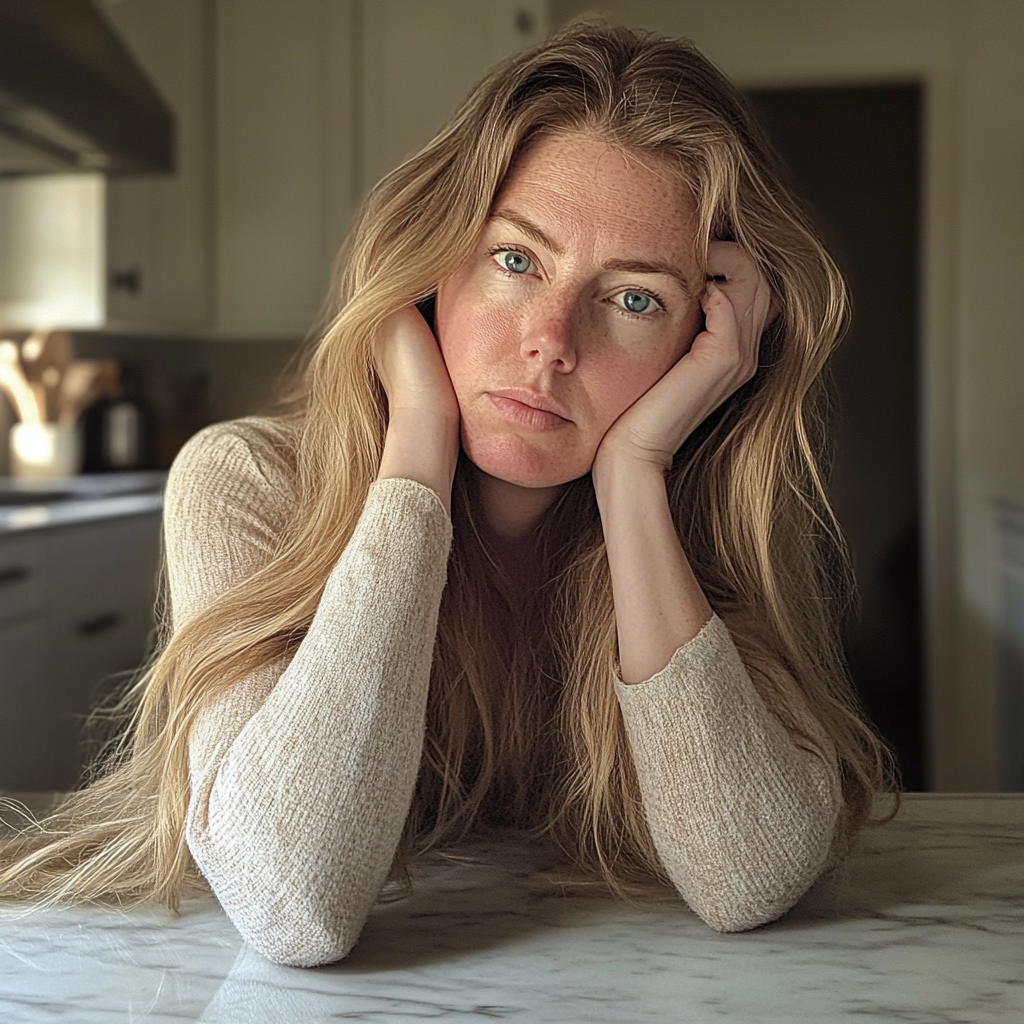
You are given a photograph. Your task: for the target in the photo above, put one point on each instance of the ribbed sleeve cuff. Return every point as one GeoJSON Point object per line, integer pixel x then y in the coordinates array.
{"type": "Point", "coordinates": [705, 656]}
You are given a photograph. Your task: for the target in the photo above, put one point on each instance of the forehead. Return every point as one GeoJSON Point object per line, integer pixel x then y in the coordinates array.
{"type": "Point", "coordinates": [585, 188]}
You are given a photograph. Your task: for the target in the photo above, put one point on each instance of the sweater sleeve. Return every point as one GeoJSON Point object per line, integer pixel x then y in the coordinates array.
{"type": "Point", "coordinates": [302, 773]}
{"type": "Point", "coordinates": [742, 814]}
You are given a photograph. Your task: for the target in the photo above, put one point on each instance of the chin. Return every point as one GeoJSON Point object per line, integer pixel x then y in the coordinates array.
{"type": "Point", "coordinates": [518, 461]}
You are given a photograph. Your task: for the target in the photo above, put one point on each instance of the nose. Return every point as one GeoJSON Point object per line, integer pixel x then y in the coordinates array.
{"type": "Point", "coordinates": [549, 335]}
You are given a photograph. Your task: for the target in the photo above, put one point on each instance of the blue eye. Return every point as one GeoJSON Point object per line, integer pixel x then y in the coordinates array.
{"type": "Point", "coordinates": [514, 262]}
{"type": "Point", "coordinates": [638, 302]}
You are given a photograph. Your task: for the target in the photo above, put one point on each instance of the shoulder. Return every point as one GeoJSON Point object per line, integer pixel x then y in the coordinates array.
{"type": "Point", "coordinates": [255, 452]}
{"type": "Point", "coordinates": [246, 465]}
{"type": "Point", "coordinates": [230, 495]}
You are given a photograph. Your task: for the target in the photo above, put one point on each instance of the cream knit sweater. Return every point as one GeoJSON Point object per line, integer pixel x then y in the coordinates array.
{"type": "Point", "coordinates": [302, 774]}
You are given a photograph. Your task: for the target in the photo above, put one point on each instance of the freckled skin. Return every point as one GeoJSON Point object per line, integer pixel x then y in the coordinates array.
{"type": "Point", "coordinates": [563, 328]}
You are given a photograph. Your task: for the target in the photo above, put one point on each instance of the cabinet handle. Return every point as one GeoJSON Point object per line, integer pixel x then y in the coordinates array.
{"type": "Point", "coordinates": [13, 574]}
{"type": "Point", "coordinates": [128, 280]}
{"type": "Point", "coordinates": [98, 624]}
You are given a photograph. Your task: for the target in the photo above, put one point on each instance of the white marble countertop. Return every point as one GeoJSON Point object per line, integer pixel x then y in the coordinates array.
{"type": "Point", "coordinates": [927, 926]}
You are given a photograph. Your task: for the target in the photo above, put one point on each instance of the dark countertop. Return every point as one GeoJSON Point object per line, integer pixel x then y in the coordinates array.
{"type": "Point", "coordinates": [39, 504]}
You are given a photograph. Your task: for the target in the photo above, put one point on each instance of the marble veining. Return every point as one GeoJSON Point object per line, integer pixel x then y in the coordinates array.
{"type": "Point", "coordinates": [925, 925]}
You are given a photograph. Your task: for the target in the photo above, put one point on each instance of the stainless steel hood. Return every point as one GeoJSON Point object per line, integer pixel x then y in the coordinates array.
{"type": "Point", "coordinates": [72, 97]}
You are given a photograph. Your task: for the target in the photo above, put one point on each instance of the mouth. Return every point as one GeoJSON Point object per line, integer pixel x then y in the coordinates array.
{"type": "Point", "coordinates": [529, 409]}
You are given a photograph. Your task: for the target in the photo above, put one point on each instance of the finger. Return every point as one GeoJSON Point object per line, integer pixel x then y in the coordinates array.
{"type": "Point", "coordinates": [738, 276]}
{"type": "Point", "coordinates": [727, 261]}
{"type": "Point", "coordinates": [735, 335]}
{"type": "Point", "coordinates": [719, 311]}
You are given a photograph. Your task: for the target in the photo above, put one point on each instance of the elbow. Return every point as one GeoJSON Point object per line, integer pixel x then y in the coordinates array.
{"type": "Point", "coordinates": [303, 929]}
{"type": "Point", "coordinates": [310, 943]}
{"type": "Point", "coordinates": [294, 925]}
{"type": "Point", "coordinates": [742, 913]}
{"type": "Point", "coordinates": [738, 895]}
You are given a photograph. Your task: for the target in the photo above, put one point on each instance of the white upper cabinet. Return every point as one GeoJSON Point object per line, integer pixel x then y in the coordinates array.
{"type": "Point", "coordinates": [283, 160]}
{"type": "Point", "coordinates": [52, 251]}
{"type": "Point", "coordinates": [287, 112]}
{"type": "Point", "coordinates": [159, 274]}
{"type": "Point", "coordinates": [419, 60]}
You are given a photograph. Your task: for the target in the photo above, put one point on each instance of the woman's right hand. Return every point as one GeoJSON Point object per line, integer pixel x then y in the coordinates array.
{"type": "Point", "coordinates": [422, 442]}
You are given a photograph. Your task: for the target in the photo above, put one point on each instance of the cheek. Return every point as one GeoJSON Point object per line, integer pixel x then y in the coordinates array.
{"type": "Point", "coordinates": [472, 333]}
{"type": "Point", "coordinates": [620, 384]}
{"type": "Point", "coordinates": [626, 376]}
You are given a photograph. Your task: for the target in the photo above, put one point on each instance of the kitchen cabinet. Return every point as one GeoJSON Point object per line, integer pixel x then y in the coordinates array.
{"type": "Point", "coordinates": [287, 112]}
{"type": "Point", "coordinates": [303, 105]}
{"type": "Point", "coordinates": [158, 257]}
{"type": "Point", "coordinates": [24, 692]}
{"type": "Point", "coordinates": [52, 251]}
{"type": "Point", "coordinates": [283, 160]}
{"type": "Point", "coordinates": [127, 253]}
{"type": "Point", "coordinates": [418, 61]}
{"type": "Point", "coordinates": [76, 607]}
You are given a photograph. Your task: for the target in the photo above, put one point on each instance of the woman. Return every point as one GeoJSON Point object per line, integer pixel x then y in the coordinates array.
{"type": "Point", "coordinates": [566, 408]}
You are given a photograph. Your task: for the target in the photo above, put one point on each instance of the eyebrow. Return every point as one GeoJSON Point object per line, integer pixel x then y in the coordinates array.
{"type": "Point", "coordinates": [537, 234]}
{"type": "Point", "coordinates": [650, 267]}
{"type": "Point", "coordinates": [528, 228]}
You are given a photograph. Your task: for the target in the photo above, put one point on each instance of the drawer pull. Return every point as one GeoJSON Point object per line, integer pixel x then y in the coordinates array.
{"type": "Point", "coordinates": [13, 574]}
{"type": "Point", "coordinates": [98, 624]}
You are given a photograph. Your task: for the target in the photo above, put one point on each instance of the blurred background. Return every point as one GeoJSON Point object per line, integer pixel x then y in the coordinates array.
{"type": "Point", "coordinates": [176, 177]}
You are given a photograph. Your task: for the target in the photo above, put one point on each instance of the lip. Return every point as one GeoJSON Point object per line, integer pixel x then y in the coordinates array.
{"type": "Point", "coordinates": [528, 408]}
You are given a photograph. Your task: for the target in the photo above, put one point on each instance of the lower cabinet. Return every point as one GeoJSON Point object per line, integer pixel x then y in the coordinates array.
{"type": "Point", "coordinates": [25, 712]}
{"type": "Point", "coordinates": [66, 650]}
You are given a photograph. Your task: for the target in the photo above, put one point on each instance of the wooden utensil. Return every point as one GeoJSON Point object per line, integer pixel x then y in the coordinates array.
{"type": "Point", "coordinates": [45, 357]}
{"type": "Point", "coordinates": [16, 387]}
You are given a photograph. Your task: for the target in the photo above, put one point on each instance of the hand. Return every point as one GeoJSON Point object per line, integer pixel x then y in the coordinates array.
{"type": "Point", "coordinates": [737, 303]}
{"type": "Point", "coordinates": [422, 441]}
{"type": "Point", "coordinates": [411, 367]}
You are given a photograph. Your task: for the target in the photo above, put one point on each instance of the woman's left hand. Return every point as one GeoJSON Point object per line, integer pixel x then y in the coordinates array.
{"type": "Point", "coordinates": [736, 303]}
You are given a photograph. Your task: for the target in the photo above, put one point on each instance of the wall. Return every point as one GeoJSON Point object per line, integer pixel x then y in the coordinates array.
{"type": "Point", "coordinates": [969, 54]}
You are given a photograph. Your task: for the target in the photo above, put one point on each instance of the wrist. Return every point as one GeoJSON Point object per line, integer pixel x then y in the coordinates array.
{"type": "Point", "coordinates": [621, 474]}
{"type": "Point", "coordinates": [422, 445]}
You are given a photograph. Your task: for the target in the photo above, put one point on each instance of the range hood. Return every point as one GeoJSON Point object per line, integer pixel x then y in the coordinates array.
{"type": "Point", "coordinates": [71, 96]}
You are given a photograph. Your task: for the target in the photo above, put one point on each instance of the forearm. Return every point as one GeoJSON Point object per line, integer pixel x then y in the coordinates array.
{"type": "Point", "coordinates": [742, 815]}
{"type": "Point", "coordinates": [659, 605]}
{"type": "Point", "coordinates": [295, 819]}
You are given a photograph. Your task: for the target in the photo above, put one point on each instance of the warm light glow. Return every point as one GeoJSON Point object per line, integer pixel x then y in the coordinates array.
{"type": "Point", "coordinates": [34, 444]}
{"type": "Point", "coordinates": [45, 450]}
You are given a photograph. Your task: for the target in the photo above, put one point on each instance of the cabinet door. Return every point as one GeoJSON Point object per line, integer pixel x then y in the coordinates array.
{"type": "Point", "coordinates": [51, 251]}
{"type": "Point", "coordinates": [22, 576]}
{"type": "Point", "coordinates": [101, 614]}
{"type": "Point", "coordinates": [419, 60]}
{"type": "Point", "coordinates": [283, 160]}
{"type": "Point", "coordinates": [158, 255]}
{"type": "Point", "coordinates": [25, 712]}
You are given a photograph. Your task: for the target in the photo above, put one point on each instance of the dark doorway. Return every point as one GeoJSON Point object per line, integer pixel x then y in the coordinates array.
{"type": "Point", "coordinates": [853, 154]}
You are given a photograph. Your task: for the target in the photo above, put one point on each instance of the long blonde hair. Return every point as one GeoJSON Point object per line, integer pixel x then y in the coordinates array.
{"type": "Point", "coordinates": [546, 749]}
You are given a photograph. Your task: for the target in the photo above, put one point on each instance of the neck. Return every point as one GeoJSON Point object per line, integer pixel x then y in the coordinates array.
{"type": "Point", "coordinates": [512, 512]}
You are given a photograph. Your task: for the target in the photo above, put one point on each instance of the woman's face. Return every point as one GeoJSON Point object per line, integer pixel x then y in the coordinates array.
{"type": "Point", "coordinates": [582, 291]}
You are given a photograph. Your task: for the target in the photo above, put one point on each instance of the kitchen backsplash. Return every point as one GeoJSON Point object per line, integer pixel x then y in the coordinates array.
{"type": "Point", "coordinates": [183, 385]}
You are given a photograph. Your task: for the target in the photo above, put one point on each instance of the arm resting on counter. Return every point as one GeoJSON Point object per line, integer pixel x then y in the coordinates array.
{"type": "Point", "coordinates": [742, 814]}
{"type": "Point", "coordinates": [302, 778]}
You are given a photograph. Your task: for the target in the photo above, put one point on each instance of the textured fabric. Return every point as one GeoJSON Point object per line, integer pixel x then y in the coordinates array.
{"type": "Point", "coordinates": [302, 774]}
